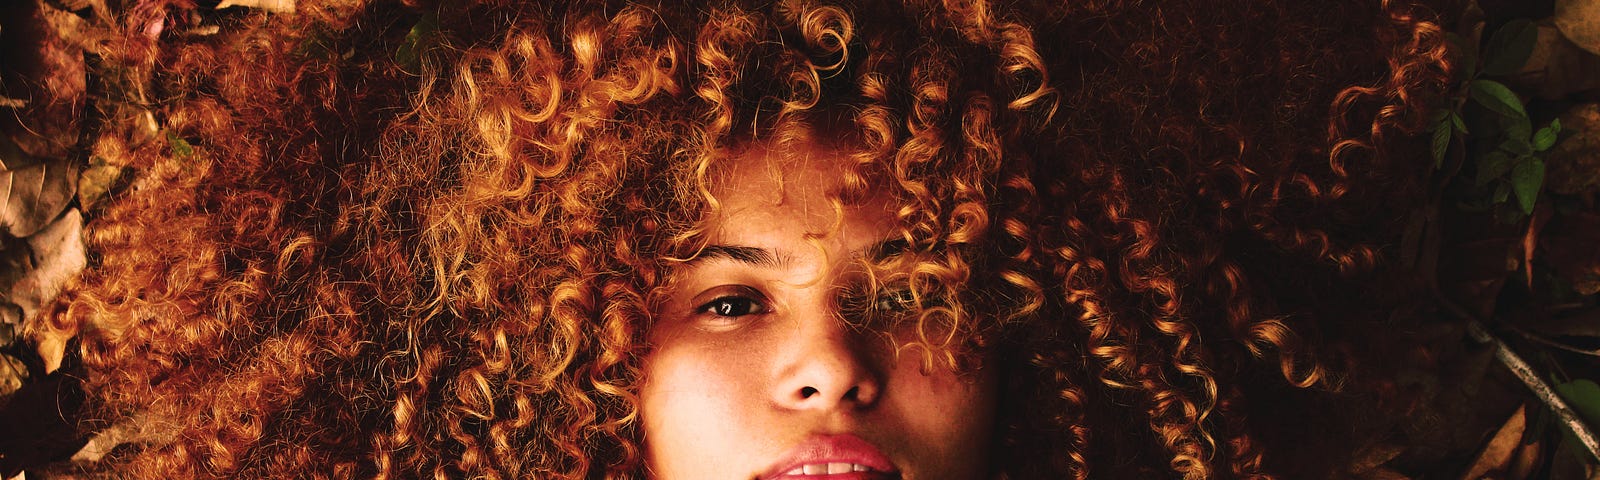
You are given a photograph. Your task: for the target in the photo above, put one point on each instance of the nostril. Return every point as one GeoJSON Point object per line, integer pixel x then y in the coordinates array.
{"type": "Point", "coordinates": [854, 394]}
{"type": "Point", "coordinates": [807, 392]}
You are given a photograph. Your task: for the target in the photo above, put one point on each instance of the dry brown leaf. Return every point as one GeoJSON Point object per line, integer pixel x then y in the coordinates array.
{"type": "Point", "coordinates": [16, 259]}
{"type": "Point", "coordinates": [12, 156]}
{"type": "Point", "coordinates": [1496, 456]}
{"type": "Point", "coordinates": [32, 197]}
{"type": "Point", "coordinates": [59, 256]}
{"type": "Point", "coordinates": [1557, 68]}
{"type": "Point", "coordinates": [1574, 162]}
{"type": "Point", "coordinates": [12, 372]}
{"type": "Point", "coordinates": [280, 6]}
{"type": "Point", "coordinates": [1569, 246]}
{"type": "Point", "coordinates": [144, 428]}
{"type": "Point", "coordinates": [1581, 323]}
{"type": "Point", "coordinates": [1372, 458]}
{"type": "Point", "coordinates": [1579, 21]}
{"type": "Point", "coordinates": [1385, 474]}
{"type": "Point", "coordinates": [42, 64]}
{"type": "Point", "coordinates": [1530, 241]}
{"type": "Point", "coordinates": [1525, 461]}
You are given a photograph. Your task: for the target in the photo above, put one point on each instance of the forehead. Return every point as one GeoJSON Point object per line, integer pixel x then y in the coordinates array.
{"type": "Point", "coordinates": [770, 194]}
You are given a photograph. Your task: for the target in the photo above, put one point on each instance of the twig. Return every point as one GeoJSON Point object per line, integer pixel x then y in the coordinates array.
{"type": "Point", "coordinates": [1540, 339]}
{"type": "Point", "coordinates": [1525, 372]}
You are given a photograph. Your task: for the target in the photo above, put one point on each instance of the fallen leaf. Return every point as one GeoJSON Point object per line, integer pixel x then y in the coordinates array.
{"type": "Point", "coordinates": [1557, 67]}
{"type": "Point", "coordinates": [42, 64]}
{"type": "Point", "coordinates": [15, 260]}
{"type": "Point", "coordinates": [1530, 243]}
{"type": "Point", "coordinates": [1579, 21]}
{"type": "Point", "coordinates": [96, 181]}
{"type": "Point", "coordinates": [144, 428]}
{"type": "Point", "coordinates": [1525, 461]}
{"type": "Point", "coordinates": [33, 196]}
{"type": "Point", "coordinates": [59, 256]}
{"type": "Point", "coordinates": [1384, 474]}
{"type": "Point", "coordinates": [12, 156]}
{"type": "Point", "coordinates": [1370, 460]}
{"type": "Point", "coordinates": [1568, 245]}
{"type": "Point", "coordinates": [1574, 162]}
{"type": "Point", "coordinates": [1496, 455]}
{"type": "Point", "coordinates": [52, 348]}
{"type": "Point", "coordinates": [1475, 278]}
{"type": "Point", "coordinates": [1579, 323]}
{"type": "Point", "coordinates": [12, 372]}
{"type": "Point", "coordinates": [280, 6]}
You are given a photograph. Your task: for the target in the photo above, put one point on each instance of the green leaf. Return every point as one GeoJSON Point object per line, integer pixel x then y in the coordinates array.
{"type": "Point", "coordinates": [1466, 52]}
{"type": "Point", "coordinates": [1518, 127]}
{"type": "Point", "coordinates": [180, 147]}
{"type": "Point", "coordinates": [1496, 97]}
{"type": "Point", "coordinates": [421, 36]}
{"type": "Point", "coordinates": [1492, 166]}
{"type": "Point", "coordinates": [1526, 179]}
{"type": "Point", "coordinates": [1441, 144]}
{"type": "Point", "coordinates": [1582, 395]}
{"type": "Point", "coordinates": [1546, 137]}
{"type": "Point", "coordinates": [1510, 47]}
{"type": "Point", "coordinates": [1460, 126]}
{"type": "Point", "coordinates": [96, 181]}
{"type": "Point", "coordinates": [1517, 146]}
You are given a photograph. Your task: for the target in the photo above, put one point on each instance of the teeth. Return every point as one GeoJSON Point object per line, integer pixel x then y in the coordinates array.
{"type": "Point", "coordinates": [827, 468]}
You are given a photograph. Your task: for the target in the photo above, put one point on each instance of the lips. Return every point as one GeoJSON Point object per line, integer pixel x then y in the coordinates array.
{"type": "Point", "coordinates": [833, 457]}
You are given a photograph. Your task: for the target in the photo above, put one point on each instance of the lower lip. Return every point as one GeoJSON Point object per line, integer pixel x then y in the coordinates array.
{"type": "Point", "coordinates": [840, 476]}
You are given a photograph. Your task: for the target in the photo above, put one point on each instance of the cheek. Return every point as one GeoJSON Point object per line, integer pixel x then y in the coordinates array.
{"type": "Point", "coordinates": [954, 415]}
{"type": "Point", "coordinates": [688, 395]}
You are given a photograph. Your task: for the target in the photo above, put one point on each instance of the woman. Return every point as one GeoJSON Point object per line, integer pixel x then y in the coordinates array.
{"type": "Point", "coordinates": [796, 240]}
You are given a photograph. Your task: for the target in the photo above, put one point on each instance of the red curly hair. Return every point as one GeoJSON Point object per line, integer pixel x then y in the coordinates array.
{"type": "Point", "coordinates": [1160, 217]}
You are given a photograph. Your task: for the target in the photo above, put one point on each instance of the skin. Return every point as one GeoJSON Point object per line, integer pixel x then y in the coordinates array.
{"type": "Point", "coordinates": [751, 355]}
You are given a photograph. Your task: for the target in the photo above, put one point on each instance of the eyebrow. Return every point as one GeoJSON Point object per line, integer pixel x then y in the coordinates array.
{"type": "Point", "coordinates": [767, 258]}
{"type": "Point", "coordinates": [738, 253]}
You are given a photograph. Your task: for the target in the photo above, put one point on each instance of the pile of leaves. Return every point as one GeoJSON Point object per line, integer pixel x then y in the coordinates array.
{"type": "Point", "coordinates": [1509, 240]}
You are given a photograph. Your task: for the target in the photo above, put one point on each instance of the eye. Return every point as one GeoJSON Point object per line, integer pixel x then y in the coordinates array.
{"type": "Point", "coordinates": [895, 300]}
{"type": "Point", "coordinates": [732, 306]}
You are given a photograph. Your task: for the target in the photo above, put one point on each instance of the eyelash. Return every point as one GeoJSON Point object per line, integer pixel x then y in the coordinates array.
{"type": "Point", "coordinates": [732, 306]}
{"type": "Point", "coordinates": [898, 300]}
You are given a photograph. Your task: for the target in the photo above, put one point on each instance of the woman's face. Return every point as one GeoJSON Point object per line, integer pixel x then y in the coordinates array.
{"type": "Point", "coordinates": [754, 373]}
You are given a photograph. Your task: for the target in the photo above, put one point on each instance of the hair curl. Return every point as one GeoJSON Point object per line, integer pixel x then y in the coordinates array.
{"type": "Point", "coordinates": [1157, 214]}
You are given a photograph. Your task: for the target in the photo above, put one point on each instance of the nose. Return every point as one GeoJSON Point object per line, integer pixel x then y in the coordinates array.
{"type": "Point", "coordinates": [828, 367]}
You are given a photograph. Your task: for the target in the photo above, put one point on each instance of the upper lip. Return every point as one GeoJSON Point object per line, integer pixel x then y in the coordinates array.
{"type": "Point", "coordinates": [843, 448]}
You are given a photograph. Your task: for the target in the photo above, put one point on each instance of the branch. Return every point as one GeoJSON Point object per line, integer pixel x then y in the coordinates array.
{"type": "Point", "coordinates": [1525, 372]}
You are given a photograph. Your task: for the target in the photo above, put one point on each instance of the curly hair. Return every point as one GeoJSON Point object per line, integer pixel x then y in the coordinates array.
{"type": "Point", "coordinates": [345, 263]}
